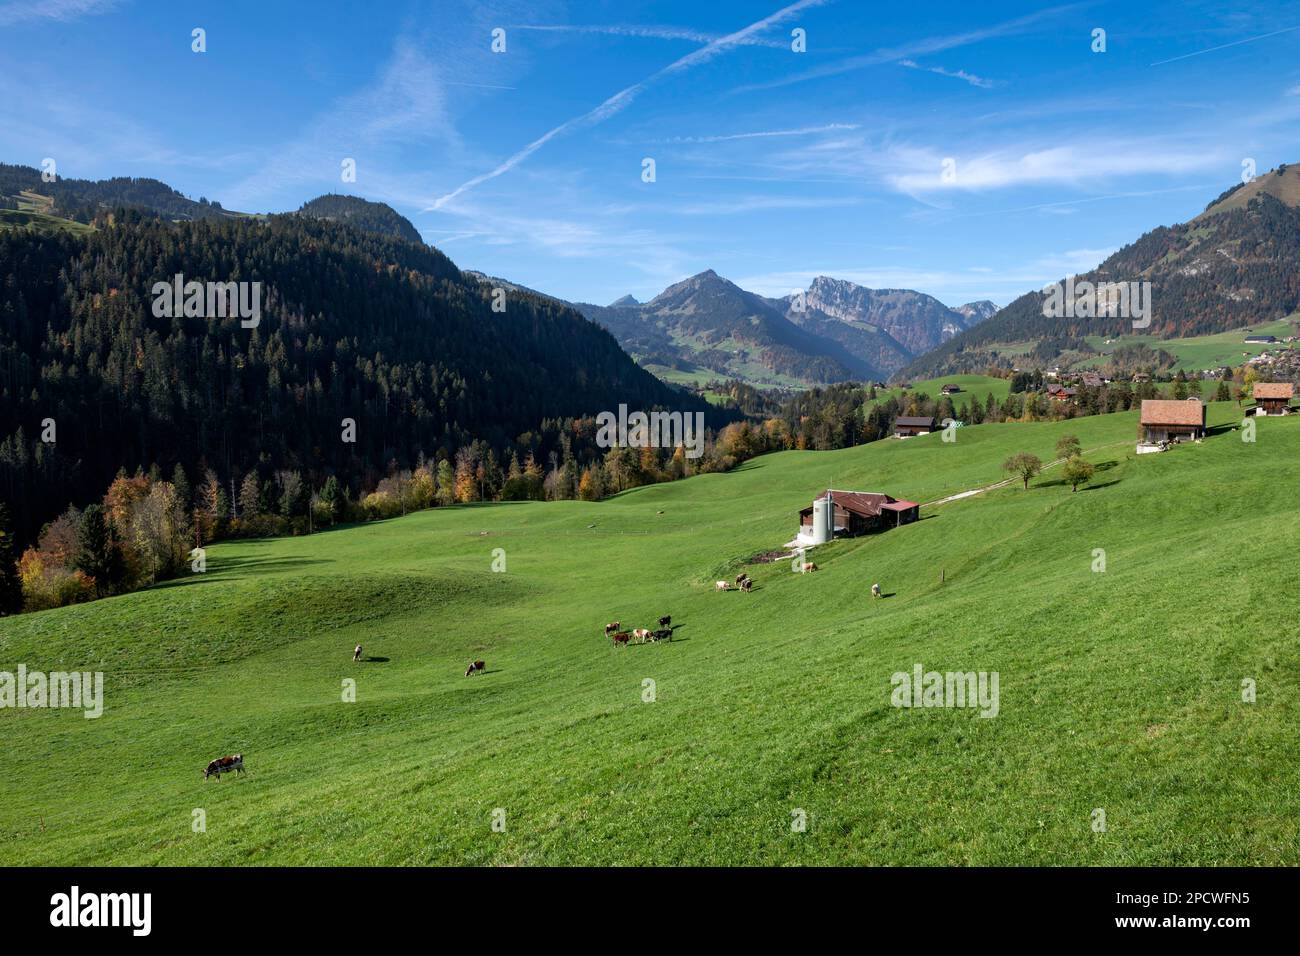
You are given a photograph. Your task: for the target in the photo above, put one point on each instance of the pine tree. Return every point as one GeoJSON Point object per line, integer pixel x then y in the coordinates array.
{"type": "Point", "coordinates": [97, 553]}
{"type": "Point", "coordinates": [331, 497]}
{"type": "Point", "coordinates": [11, 585]}
{"type": "Point", "coordinates": [250, 497]}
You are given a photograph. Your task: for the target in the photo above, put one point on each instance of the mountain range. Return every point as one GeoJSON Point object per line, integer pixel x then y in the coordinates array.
{"type": "Point", "coordinates": [1234, 265]}
{"type": "Point", "coordinates": [707, 326]}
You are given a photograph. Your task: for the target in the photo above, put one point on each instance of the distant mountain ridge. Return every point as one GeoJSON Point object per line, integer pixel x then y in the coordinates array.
{"type": "Point", "coordinates": [82, 199]}
{"type": "Point", "coordinates": [835, 331]}
{"type": "Point", "coordinates": [1236, 264]}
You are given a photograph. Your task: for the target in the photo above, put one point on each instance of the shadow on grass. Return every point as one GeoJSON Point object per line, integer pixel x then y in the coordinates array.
{"type": "Point", "coordinates": [219, 570]}
{"type": "Point", "coordinates": [1103, 484]}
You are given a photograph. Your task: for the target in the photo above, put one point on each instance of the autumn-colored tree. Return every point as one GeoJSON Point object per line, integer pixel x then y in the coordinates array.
{"type": "Point", "coordinates": [122, 496]}
{"type": "Point", "coordinates": [1024, 466]}
{"type": "Point", "coordinates": [592, 485]}
{"type": "Point", "coordinates": [467, 482]}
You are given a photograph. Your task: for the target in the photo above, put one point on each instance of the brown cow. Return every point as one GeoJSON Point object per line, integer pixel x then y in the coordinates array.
{"type": "Point", "coordinates": [622, 637]}
{"type": "Point", "coordinates": [741, 578]}
{"type": "Point", "coordinates": [611, 627]}
{"type": "Point", "coordinates": [474, 666]}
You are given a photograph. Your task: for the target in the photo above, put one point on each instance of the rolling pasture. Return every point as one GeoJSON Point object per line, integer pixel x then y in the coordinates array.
{"type": "Point", "coordinates": [1118, 690]}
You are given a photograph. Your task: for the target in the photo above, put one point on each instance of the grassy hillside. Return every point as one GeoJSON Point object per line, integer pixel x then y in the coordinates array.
{"type": "Point", "coordinates": [1119, 690]}
{"type": "Point", "coordinates": [973, 388]}
{"type": "Point", "coordinates": [1201, 351]}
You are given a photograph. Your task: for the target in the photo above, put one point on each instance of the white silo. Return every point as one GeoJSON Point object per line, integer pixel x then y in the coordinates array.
{"type": "Point", "coordinates": [823, 519]}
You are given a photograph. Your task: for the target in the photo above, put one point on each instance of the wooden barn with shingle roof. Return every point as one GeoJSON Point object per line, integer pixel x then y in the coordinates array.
{"type": "Point", "coordinates": [1273, 398]}
{"type": "Point", "coordinates": [1170, 419]}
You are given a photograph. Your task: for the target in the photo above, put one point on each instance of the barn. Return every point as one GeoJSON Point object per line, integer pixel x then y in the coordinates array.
{"type": "Point", "coordinates": [1273, 398]}
{"type": "Point", "coordinates": [905, 426]}
{"type": "Point", "coordinates": [1165, 420]}
{"type": "Point", "coordinates": [855, 512]}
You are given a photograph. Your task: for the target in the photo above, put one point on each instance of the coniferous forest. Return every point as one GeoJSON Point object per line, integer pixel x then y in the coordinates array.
{"type": "Point", "coordinates": [354, 325]}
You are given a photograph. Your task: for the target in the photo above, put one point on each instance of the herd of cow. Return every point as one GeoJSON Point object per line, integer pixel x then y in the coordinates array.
{"type": "Point", "coordinates": [743, 581]}
{"type": "Point", "coordinates": [640, 635]}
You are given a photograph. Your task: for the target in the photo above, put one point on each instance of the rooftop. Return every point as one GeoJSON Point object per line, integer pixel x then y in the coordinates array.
{"type": "Point", "coordinates": [1159, 411]}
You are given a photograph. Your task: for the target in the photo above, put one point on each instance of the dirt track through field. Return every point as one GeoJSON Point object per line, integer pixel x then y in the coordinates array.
{"type": "Point", "coordinates": [1008, 481]}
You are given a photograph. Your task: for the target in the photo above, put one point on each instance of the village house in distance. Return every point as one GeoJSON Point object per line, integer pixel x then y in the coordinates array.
{"type": "Point", "coordinates": [905, 426]}
{"type": "Point", "coordinates": [1273, 398]}
{"type": "Point", "coordinates": [1169, 421]}
{"type": "Point", "coordinates": [852, 513]}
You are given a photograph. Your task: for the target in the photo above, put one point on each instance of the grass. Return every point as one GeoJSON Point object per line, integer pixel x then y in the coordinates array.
{"type": "Point", "coordinates": [1119, 690]}
{"type": "Point", "coordinates": [31, 219]}
{"type": "Point", "coordinates": [974, 388]}
{"type": "Point", "coordinates": [1200, 352]}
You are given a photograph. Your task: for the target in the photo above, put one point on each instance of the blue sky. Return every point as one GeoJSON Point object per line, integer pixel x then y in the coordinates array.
{"type": "Point", "coordinates": [772, 166]}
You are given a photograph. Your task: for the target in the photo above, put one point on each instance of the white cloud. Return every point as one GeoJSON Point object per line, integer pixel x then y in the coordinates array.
{"type": "Point", "coordinates": [1057, 165]}
{"type": "Point", "coordinates": [63, 11]}
{"type": "Point", "coordinates": [922, 47]}
{"type": "Point", "coordinates": [406, 103]}
{"type": "Point", "coordinates": [653, 33]}
{"type": "Point", "coordinates": [760, 134]}
{"type": "Point", "coordinates": [970, 78]}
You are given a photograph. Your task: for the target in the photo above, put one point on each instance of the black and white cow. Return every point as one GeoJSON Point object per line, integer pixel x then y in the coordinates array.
{"type": "Point", "coordinates": [224, 765]}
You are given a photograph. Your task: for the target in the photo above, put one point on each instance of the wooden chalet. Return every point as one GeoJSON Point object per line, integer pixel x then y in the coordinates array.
{"type": "Point", "coordinates": [950, 389]}
{"type": "Point", "coordinates": [862, 512]}
{"type": "Point", "coordinates": [1273, 398]}
{"type": "Point", "coordinates": [905, 426]}
{"type": "Point", "coordinates": [1166, 419]}
{"type": "Point", "coordinates": [1061, 393]}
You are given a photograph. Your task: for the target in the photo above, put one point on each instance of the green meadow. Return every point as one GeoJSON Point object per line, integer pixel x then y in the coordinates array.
{"type": "Point", "coordinates": [975, 388]}
{"type": "Point", "coordinates": [1120, 690]}
{"type": "Point", "coordinates": [1199, 352]}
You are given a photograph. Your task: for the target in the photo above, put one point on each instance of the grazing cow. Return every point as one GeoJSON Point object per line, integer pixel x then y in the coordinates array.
{"type": "Point", "coordinates": [224, 765]}
{"type": "Point", "coordinates": [664, 634]}
{"type": "Point", "coordinates": [808, 566]}
{"type": "Point", "coordinates": [741, 578]}
{"type": "Point", "coordinates": [611, 627]}
{"type": "Point", "coordinates": [722, 585]}
{"type": "Point", "coordinates": [474, 666]}
{"type": "Point", "coordinates": [747, 584]}
{"type": "Point", "coordinates": [666, 620]}
{"type": "Point", "coordinates": [622, 637]}
{"type": "Point", "coordinates": [875, 590]}
{"type": "Point", "coordinates": [356, 655]}
{"type": "Point", "coordinates": [641, 634]}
